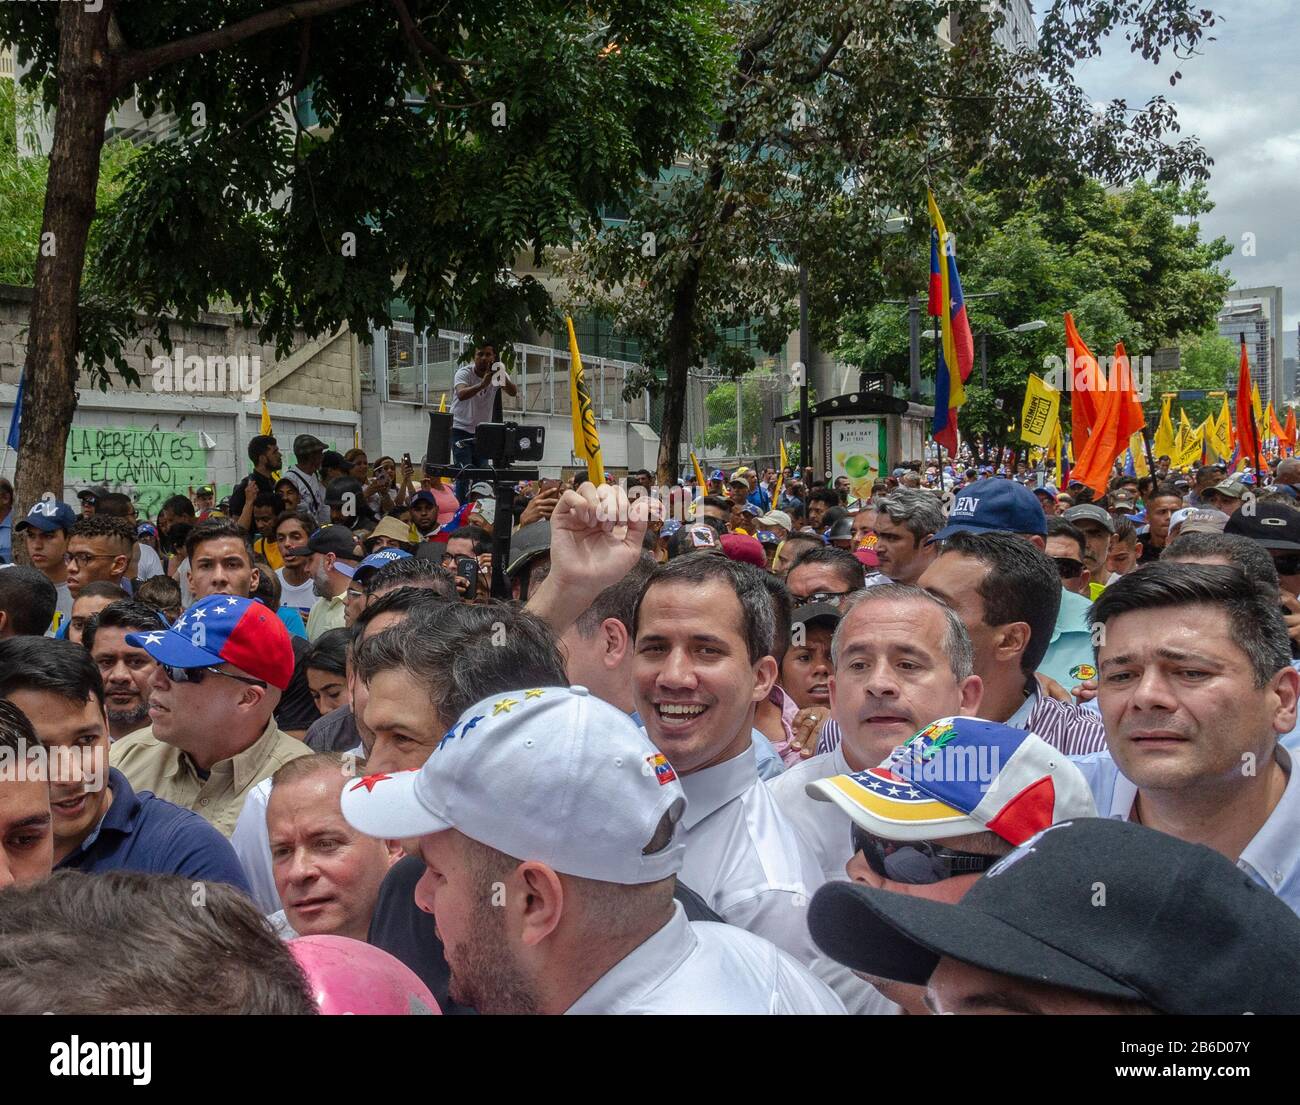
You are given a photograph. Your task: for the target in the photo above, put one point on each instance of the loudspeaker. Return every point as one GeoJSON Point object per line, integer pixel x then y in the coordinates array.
{"type": "Point", "coordinates": [439, 447]}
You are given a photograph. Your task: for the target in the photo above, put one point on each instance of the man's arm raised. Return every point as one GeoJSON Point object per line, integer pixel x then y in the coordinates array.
{"type": "Point", "coordinates": [596, 539]}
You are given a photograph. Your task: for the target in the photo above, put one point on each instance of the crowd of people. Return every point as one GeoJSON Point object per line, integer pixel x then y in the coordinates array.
{"type": "Point", "coordinates": [971, 743]}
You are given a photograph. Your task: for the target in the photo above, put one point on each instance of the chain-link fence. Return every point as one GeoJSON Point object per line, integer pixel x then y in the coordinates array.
{"type": "Point", "coordinates": [730, 420]}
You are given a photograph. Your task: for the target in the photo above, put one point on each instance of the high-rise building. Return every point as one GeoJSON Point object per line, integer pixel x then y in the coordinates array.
{"type": "Point", "coordinates": [1256, 314]}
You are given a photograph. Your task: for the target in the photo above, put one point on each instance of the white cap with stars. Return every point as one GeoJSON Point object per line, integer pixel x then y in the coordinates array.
{"type": "Point", "coordinates": [551, 774]}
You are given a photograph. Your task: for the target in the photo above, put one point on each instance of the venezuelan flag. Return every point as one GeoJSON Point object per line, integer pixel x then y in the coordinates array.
{"type": "Point", "coordinates": [955, 356]}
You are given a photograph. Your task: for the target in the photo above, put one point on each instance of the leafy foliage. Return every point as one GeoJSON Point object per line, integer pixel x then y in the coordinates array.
{"type": "Point", "coordinates": [1130, 265]}
{"type": "Point", "coordinates": [317, 172]}
{"type": "Point", "coordinates": [834, 117]}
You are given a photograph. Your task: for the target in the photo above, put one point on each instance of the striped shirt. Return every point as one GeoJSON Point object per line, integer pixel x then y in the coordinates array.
{"type": "Point", "coordinates": [1073, 730]}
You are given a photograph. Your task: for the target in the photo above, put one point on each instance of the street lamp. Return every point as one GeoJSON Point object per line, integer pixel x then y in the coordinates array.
{"type": "Point", "coordinates": [1023, 328]}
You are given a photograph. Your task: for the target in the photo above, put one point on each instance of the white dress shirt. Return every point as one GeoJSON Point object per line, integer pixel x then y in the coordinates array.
{"type": "Point", "coordinates": [744, 858]}
{"type": "Point", "coordinates": [824, 827]}
{"type": "Point", "coordinates": [826, 831]}
{"type": "Point", "coordinates": [1272, 858]}
{"type": "Point", "coordinates": [252, 845]}
{"type": "Point", "coordinates": [699, 967]}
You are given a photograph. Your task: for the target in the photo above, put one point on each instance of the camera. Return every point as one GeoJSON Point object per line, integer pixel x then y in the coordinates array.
{"type": "Point", "coordinates": [504, 443]}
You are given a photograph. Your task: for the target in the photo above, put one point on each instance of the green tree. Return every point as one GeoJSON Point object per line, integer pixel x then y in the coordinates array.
{"type": "Point", "coordinates": [23, 180]}
{"type": "Point", "coordinates": [1130, 265]}
{"type": "Point", "coordinates": [444, 137]}
{"type": "Point", "coordinates": [833, 117]}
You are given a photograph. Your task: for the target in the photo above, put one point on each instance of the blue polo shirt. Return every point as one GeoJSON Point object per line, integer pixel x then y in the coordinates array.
{"type": "Point", "coordinates": [143, 833]}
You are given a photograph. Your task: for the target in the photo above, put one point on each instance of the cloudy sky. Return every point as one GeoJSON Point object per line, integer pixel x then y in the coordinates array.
{"type": "Point", "coordinates": [1241, 98]}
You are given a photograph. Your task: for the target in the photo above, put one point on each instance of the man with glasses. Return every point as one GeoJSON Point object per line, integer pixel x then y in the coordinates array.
{"type": "Point", "coordinates": [1097, 527]}
{"type": "Point", "coordinates": [961, 794]}
{"type": "Point", "coordinates": [221, 671]}
{"type": "Point", "coordinates": [99, 548]}
{"type": "Point", "coordinates": [1066, 547]}
{"type": "Point", "coordinates": [824, 574]}
{"type": "Point", "coordinates": [1275, 527]}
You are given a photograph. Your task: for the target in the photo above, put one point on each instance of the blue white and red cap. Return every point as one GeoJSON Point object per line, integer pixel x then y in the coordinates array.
{"type": "Point", "coordinates": [551, 774]}
{"type": "Point", "coordinates": [963, 775]}
{"type": "Point", "coordinates": [224, 629]}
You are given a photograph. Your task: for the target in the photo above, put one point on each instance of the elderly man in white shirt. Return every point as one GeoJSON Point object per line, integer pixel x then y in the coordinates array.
{"type": "Point", "coordinates": [561, 899]}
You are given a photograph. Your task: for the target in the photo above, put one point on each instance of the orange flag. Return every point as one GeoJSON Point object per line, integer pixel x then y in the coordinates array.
{"type": "Point", "coordinates": [1275, 427]}
{"type": "Point", "coordinates": [1290, 427]}
{"type": "Point", "coordinates": [1133, 418]}
{"type": "Point", "coordinates": [1248, 442]}
{"type": "Point", "coordinates": [1119, 416]}
{"type": "Point", "coordinates": [1085, 384]}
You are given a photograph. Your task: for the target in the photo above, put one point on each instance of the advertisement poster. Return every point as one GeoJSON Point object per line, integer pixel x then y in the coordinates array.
{"type": "Point", "coordinates": [856, 449]}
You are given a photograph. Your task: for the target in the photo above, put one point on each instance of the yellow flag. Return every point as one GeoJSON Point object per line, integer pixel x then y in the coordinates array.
{"type": "Point", "coordinates": [586, 441]}
{"type": "Point", "coordinates": [1187, 443]}
{"type": "Point", "coordinates": [1254, 404]}
{"type": "Point", "coordinates": [442, 404]}
{"type": "Point", "coordinates": [1137, 449]}
{"type": "Point", "coordinates": [780, 476]}
{"type": "Point", "coordinates": [699, 474]}
{"type": "Point", "coordinates": [1164, 440]}
{"type": "Point", "coordinates": [356, 437]}
{"type": "Point", "coordinates": [1056, 448]}
{"type": "Point", "coordinates": [1222, 440]}
{"type": "Point", "coordinates": [265, 428]}
{"type": "Point", "coordinates": [1040, 412]}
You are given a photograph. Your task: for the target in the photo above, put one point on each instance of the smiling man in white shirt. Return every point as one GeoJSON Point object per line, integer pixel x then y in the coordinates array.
{"type": "Point", "coordinates": [702, 661]}
{"type": "Point", "coordinates": [561, 900]}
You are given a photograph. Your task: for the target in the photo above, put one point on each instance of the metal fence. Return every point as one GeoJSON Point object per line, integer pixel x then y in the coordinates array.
{"type": "Point", "coordinates": [406, 366]}
{"type": "Point", "coordinates": [728, 420]}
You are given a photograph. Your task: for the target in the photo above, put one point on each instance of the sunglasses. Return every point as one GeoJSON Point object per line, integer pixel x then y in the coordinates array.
{"type": "Point", "coordinates": [1068, 566]}
{"type": "Point", "coordinates": [197, 675]}
{"type": "Point", "coordinates": [916, 862]}
{"type": "Point", "coordinates": [834, 598]}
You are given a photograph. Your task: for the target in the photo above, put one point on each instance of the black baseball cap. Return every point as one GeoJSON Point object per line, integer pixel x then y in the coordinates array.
{"type": "Point", "coordinates": [816, 613]}
{"type": "Point", "coordinates": [1273, 525]}
{"type": "Point", "coordinates": [1103, 907]}
{"type": "Point", "coordinates": [338, 540]}
{"type": "Point", "coordinates": [527, 545]}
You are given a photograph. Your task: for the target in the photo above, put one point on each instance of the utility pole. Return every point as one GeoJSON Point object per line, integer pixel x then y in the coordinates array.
{"type": "Point", "coordinates": [805, 415]}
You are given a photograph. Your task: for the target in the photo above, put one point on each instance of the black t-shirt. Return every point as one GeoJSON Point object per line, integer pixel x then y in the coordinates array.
{"type": "Point", "coordinates": [404, 930]}
{"type": "Point", "coordinates": [264, 483]}
{"type": "Point", "coordinates": [297, 709]}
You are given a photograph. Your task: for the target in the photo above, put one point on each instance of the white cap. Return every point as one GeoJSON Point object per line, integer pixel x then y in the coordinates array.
{"type": "Point", "coordinates": [552, 774]}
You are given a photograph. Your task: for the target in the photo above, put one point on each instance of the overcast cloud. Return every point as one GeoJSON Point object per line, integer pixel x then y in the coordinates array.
{"type": "Point", "coordinates": [1241, 98]}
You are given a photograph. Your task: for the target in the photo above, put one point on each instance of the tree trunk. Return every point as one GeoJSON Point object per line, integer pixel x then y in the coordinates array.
{"type": "Point", "coordinates": [50, 371]}
{"type": "Point", "coordinates": [679, 363]}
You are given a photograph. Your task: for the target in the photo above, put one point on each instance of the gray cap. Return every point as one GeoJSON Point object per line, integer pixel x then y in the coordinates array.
{"type": "Point", "coordinates": [1090, 512]}
{"type": "Point", "coordinates": [527, 544]}
{"type": "Point", "coordinates": [306, 445]}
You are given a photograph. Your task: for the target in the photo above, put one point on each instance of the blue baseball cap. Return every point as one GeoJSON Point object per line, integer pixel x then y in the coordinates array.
{"type": "Point", "coordinates": [47, 516]}
{"type": "Point", "coordinates": [995, 506]}
{"type": "Point", "coordinates": [424, 497]}
{"type": "Point", "coordinates": [716, 474]}
{"type": "Point", "coordinates": [377, 560]}
{"type": "Point", "coordinates": [670, 527]}
{"type": "Point", "coordinates": [224, 629]}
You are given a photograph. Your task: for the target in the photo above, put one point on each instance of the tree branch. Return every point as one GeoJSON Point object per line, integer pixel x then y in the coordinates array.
{"type": "Point", "coordinates": [132, 66]}
{"type": "Point", "coordinates": [826, 60]}
{"type": "Point", "coordinates": [299, 82]}
{"type": "Point", "coordinates": [419, 42]}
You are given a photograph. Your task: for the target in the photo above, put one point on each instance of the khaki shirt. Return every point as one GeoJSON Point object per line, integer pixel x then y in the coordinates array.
{"type": "Point", "coordinates": [149, 764]}
{"type": "Point", "coordinates": [325, 615]}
